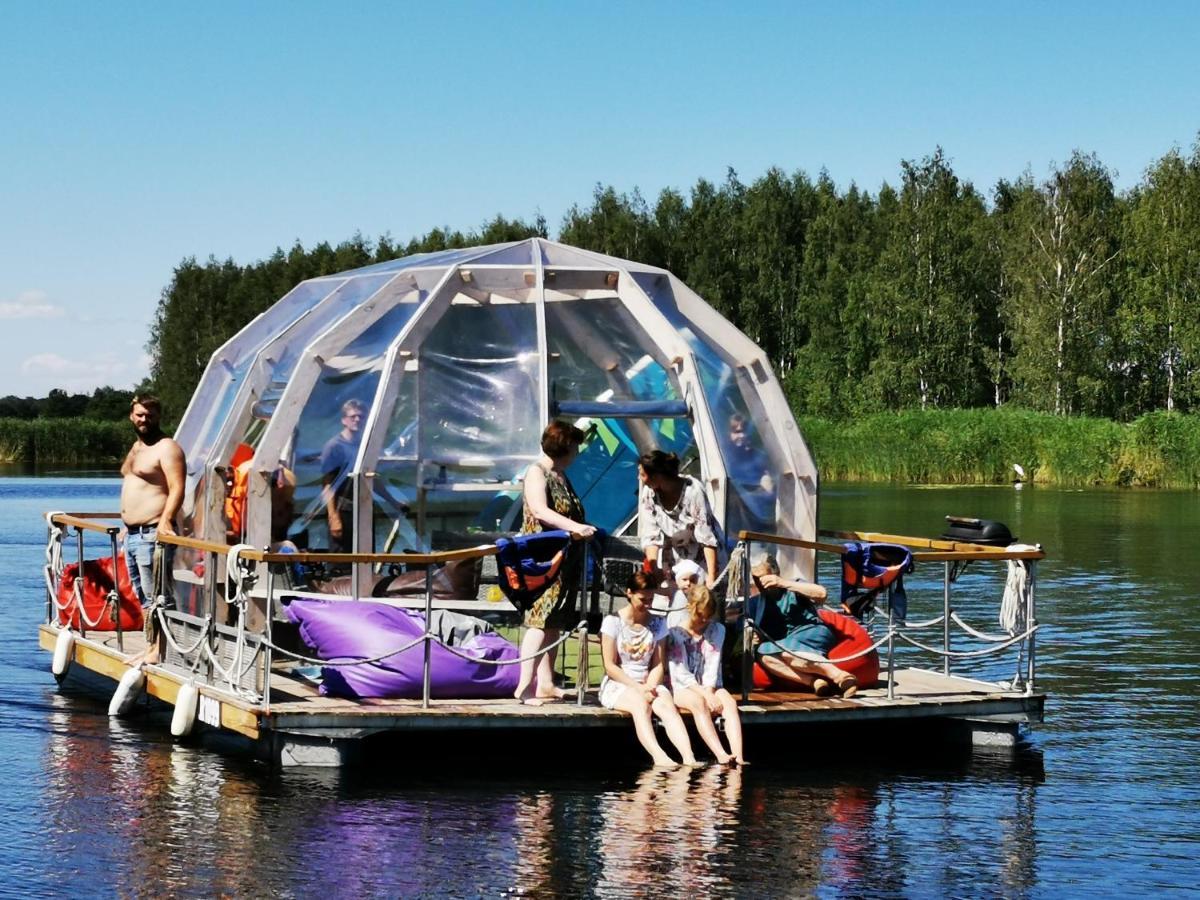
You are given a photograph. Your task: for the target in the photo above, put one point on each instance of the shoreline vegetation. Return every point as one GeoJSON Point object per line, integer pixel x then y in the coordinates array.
{"type": "Point", "coordinates": [980, 446]}
{"type": "Point", "coordinates": [74, 441]}
{"type": "Point", "coordinates": [927, 331]}
{"type": "Point", "coordinates": [941, 446]}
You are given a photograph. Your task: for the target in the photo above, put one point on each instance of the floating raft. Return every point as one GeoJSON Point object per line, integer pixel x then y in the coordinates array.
{"type": "Point", "coordinates": [299, 726]}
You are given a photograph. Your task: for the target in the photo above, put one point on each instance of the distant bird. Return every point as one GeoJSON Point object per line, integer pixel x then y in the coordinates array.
{"type": "Point", "coordinates": [1020, 473]}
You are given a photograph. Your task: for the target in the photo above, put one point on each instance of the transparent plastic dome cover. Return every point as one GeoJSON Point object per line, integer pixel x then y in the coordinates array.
{"type": "Point", "coordinates": [410, 396]}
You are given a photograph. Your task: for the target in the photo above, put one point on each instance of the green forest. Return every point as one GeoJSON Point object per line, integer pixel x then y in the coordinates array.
{"type": "Point", "coordinates": [1059, 294]}
{"type": "Point", "coordinates": [1055, 295]}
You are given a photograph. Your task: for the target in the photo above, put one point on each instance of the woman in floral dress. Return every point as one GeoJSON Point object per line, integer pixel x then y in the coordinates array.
{"type": "Point", "coordinates": [550, 503]}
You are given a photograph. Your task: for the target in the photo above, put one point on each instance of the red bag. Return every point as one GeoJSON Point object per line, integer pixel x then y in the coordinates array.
{"type": "Point", "coordinates": [97, 583]}
{"type": "Point", "coordinates": [853, 638]}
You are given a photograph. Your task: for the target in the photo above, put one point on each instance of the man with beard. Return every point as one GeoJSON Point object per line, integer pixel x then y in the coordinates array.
{"type": "Point", "coordinates": [151, 492]}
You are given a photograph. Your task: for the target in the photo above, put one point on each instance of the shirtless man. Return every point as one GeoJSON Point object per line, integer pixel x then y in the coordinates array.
{"type": "Point", "coordinates": [151, 493]}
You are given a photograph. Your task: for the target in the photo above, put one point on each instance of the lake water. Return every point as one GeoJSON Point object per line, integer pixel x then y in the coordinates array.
{"type": "Point", "coordinates": [1101, 799]}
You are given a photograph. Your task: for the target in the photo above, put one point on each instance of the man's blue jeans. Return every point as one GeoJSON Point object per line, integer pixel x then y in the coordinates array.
{"type": "Point", "coordinates": [139, 558]}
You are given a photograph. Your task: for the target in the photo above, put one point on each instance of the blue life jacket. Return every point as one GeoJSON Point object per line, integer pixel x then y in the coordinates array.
{"type": "Point", "coordinates": [529, 564]}
{"type": "Point", "coordinates": [871, 568]}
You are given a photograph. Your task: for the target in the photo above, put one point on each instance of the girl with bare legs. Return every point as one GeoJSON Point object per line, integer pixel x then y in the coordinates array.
{"type": "Point", "coordinates": [694, 662]}
{"type": "Point", "coordinates": [630, 642]}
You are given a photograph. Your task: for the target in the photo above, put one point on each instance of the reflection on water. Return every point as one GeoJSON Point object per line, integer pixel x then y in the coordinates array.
{"type": "Point", "coordinates": [1102, 799]}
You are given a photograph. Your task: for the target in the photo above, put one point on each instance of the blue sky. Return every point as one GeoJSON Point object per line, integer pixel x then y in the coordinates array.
{"type": "Point", "coordinates": [134, 135]}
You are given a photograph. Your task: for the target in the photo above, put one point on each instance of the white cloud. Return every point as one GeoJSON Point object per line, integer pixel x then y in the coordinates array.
{"type": "Point", "coordinates": [30, 305]}
{"type": "Point", "coordinates": [80, 374]}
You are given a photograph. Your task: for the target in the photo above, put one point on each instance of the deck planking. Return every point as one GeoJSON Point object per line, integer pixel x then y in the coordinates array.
{"type": "Point", "coordinates": [296, 703]}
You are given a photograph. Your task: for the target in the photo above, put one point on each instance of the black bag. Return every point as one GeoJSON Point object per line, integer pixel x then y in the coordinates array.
{"type": "Point", "coordinates": [978, 531]}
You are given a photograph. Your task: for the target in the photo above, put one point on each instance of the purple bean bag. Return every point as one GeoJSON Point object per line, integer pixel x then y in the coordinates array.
{"type": "Point", "coordinates": [346, 630]}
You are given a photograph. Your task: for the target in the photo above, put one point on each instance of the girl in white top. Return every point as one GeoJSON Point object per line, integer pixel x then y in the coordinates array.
{"type": "Point", "coordinates": [633, 671]}
{"type": "Point", "coordinates": [694, 659]}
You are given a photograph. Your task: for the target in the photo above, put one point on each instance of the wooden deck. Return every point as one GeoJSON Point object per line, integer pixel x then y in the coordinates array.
{"type": "Point", "coordinates": [296, 705]}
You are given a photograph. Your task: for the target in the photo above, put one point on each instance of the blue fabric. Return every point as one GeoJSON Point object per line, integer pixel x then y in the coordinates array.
{"type": "Point", "coordinates": [529, 556]}
{"type": "Point", "coordinates": [791, 623]}
{"type": "Point", "coordinates": [868, 560]}
{"type": "Point", "coordinates": [650, 409]}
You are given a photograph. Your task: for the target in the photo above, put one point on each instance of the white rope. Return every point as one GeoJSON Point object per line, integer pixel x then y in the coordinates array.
{"type": "Point", "coordinates": [336, 661]}
{"type": "Point", "coordinates": [733, 572]}
{"type": "Point", "coordinates": [975, 633]}
{"type": "Point", "coordinates": [513, 662]}
{"type": "Point", "coordinates": [170, 638]}
{"type": "Point", "coordinates": [162, 620]}
{"type": "Point", "coordinates": [968, 654]}
{"type": "Point", "coordinates": [1017, 588]}
{"type": "Point", "coordinates": [816, 657]}
{"type": "Point", "coordinates": [78, 597]}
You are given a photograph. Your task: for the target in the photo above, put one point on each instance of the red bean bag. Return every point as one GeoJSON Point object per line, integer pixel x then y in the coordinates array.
{"type": "Point", "coordinates": [854, 639]}
{"type": "Point", "coordinates": [97, 582]}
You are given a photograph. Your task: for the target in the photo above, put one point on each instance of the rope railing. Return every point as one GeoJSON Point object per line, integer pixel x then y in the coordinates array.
{"type": "Point", "coordinates": [250, 647]}
{"type": "Point", "coordinates": [1018, 609]}
{"type": "Point", "coordinates": [968, 654]}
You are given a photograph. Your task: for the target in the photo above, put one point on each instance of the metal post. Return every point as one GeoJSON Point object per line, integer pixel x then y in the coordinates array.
{"type": "Point", "coordinates": [747, 627]}
{"type": "Point", "coordinates": [210, 575]}
{"type": "Point", "coordinates": [581, 667]}
{"type": "Point", "coordinates": [210, 583]}
{"type": "Point", "coordinates": [891, 645]}
{"type": "Point", "coordinates": [50, 580]}
{"type": "Point", "coordinates": [116, 593]}
{"type": "Point", "coordinates": [79, 582]}
{"type": "Point", "coordinates": [946, 619]}
{"type": "Point", "coordinates": [1030, 622]}
{"type": "Point", "coordinates": [582, 675]}
{"type": "Point", "coordinates": [267, 632]}
{"type": "Point", "coordinates": [426, 674]}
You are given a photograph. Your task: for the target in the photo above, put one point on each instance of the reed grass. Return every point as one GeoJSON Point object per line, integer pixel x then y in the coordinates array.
{"type": "Point", "coordinates": [979, 446]}
{"type": "Point", "coordinates": [70, 441]}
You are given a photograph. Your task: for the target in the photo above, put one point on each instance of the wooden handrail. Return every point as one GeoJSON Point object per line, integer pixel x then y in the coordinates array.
{"type": "Point", "coordinates": [426, 559]}
{"type": "Point", "coordinates": [994, 553]}
{"type": "Point", "coordinates": [937, 550]}
{"type": "Point", "coordinates": [86, 521]}
{"type": "Point", "coordinates": [790, 542]}
{"type": "Point", "coordinates": [934, 544]}
{"type": "Point", "coordinates": [178, 540]}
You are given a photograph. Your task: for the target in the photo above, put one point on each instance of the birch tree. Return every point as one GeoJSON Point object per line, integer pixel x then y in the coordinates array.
{"type": "Point", "coordinates": [1161, 313]}
{"type": "Point", "coordinates": [929, 299]}
{"type": "Point", "coordinates": [1060, 252]}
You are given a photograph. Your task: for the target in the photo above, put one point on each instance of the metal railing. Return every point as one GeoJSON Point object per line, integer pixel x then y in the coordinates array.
{"type": "Point", "coordinates": [239, 658]}
{"type": "Point", "coordinates": [228, 655]}
{"type": "Point", "coordinates": [952, 554]}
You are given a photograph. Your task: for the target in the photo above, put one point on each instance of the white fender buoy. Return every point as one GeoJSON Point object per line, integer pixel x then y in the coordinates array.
{"type": "Point", "coordinates": [63, 648]}
{"type": "Point", "coordinates": [184, 716]}
{"type": "Point", "coordinates": [128, 690]}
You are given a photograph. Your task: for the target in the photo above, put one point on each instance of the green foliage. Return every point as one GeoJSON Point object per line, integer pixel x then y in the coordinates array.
{"type": "Point", "coordinates": [907, 314]}
{"type": "Point", "coordinates": [979, 446]}
{"type": "Point", "coordinates": [105, 404]}
{"type": "Point", "coordinates": [72, 441]}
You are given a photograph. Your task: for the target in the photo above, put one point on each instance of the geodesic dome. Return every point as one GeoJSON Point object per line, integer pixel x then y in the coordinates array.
{"type": "Point", "coordinates": [460, 358]}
